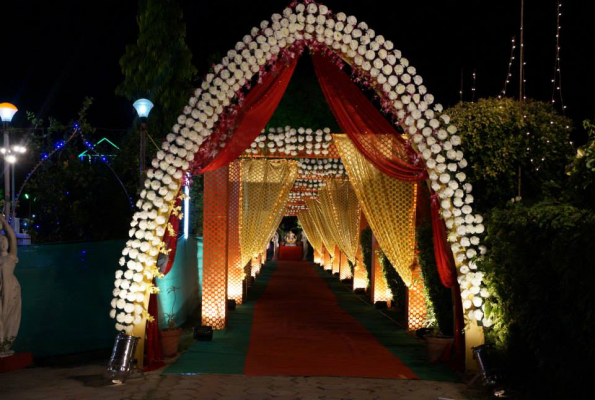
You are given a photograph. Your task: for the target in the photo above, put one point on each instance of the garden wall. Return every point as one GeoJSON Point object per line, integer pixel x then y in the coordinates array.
{"type": "Point", "coordinates": [66, 294]}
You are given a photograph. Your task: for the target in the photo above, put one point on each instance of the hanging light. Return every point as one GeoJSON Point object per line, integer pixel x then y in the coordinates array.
{"type": "Point", "coordinates": [7, 111]}
{"type": "Point", "coordinates": [143, 107]}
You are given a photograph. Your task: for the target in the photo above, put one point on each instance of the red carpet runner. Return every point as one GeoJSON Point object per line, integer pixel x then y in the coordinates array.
{"type": "Point", "coordinates": [299, 329]}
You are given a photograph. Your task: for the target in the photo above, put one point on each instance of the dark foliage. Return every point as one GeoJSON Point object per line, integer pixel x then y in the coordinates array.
{"type": "Point", "coordinates": [541, 270]}
{"type": "Point", "coordinates": [440, 296]}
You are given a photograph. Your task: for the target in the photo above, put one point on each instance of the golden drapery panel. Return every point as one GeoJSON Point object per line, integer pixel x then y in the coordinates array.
{"type": "Point", "coordinates": [340, 208]}
{"type": "Point", "coordinates": [321, 226]}
{"type": "Point", "coordinates": [312, 234]}
{"type": "Point", "coordinates": [387, 203]}
{"type": "Point", "coordinates": [265, 191]}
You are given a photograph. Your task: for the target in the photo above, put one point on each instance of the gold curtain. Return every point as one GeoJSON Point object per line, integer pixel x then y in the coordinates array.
{"type": "Point", "coordinates": [341, 210]}
{"type": "Point", "coordinates": [387, 203]}
{"type": "Point", "coordinates": [321, 226]}
{"type": "Point", "coordinates": [265, 191]}
{"type": "Point", "coordinates": [311, 232]}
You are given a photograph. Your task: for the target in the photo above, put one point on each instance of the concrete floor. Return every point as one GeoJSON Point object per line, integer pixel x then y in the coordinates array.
{"type": "Point", "coordinates": [88, 382]}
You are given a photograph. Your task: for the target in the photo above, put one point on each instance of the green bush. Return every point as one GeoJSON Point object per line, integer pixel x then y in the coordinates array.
{"type": "Point", "coordinates": [440, 296]}
{"type": "Point", "coordinates": [541, 270]}
{"type": "Point", "coordinates": [395, 284]}
{"type": "Point", "coordinates": [365, 239]}
{"type": "Point", "coordinates": [501, 137]}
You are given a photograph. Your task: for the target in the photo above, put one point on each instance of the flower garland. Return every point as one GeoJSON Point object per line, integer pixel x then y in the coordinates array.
{"type": "Point", "coordinates": [322, 167]}
{"type": "Point", "coordinates": [292, 142]}
{"type": "Point", "coordinates": [208, 120]}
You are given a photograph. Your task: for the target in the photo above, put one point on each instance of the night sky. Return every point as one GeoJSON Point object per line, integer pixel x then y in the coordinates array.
{"type": "Point", "coordinates": [56, 53]}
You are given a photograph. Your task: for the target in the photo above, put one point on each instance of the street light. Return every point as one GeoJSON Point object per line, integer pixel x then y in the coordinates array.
{"type": "Point", "coordinates": [143, 108]}
{"type": "Point", "coordinates": [7, 111]}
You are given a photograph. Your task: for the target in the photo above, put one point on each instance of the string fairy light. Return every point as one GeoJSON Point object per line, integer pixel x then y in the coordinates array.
{"type": "Point", "coordinates": [509, 72]}
{"type": "Point", "coordinates": [473, 86]}
{"type": "Point", "coordinates": [557, 78]}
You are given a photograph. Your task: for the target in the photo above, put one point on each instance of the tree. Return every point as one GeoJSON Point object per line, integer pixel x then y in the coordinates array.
{"type": "Point", "coordinates": [502, 137]}
{"type": "Point", "coordinates": [159, 65]}
{"type": "Point", "coordinates": [68, 196]}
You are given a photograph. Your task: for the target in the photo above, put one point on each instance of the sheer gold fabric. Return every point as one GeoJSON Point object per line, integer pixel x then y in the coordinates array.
{"type": "Point", "coordinates": [340, 208]}
{"type": "Point", "coordinates": [387, 203]}
{"type": "Point", "coordinates": [265, 191]}
{"type": "Point", "coordinates": [311, 231]}
{"type": "Point", "coordinates": [321, 226]}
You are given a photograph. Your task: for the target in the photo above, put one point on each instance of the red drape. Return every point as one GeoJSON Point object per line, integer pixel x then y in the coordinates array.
{"type": "Point", "coordinates": [257, 109]}
{"type": "Point", "coordinates": [370, 132]}
{"type": "Point", "coordinates": [153, 352]}
{"type": "Point", "coordinates": [448, 276]}
{"type": "Point", "coordinates": [442, 253]}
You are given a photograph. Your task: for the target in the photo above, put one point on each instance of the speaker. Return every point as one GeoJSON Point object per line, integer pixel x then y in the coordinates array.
{"type": "Point", "coordinates": [203, 333]}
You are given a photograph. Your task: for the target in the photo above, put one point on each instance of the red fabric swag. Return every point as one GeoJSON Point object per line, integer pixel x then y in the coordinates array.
{"type": "Point", "coordinates": [153, 352]}
{"type": "Point", "coordinates": [257, 109]}
{"type": "Point", "coordinates": [370, 132]}
{"type": "Point", "coordinates": [442, 253]}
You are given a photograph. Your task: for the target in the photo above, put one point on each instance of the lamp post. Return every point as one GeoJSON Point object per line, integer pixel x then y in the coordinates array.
{"type": "Point", "coordinates": [143, 108]}
{"type": "Point", "coordinates": [7, 111]}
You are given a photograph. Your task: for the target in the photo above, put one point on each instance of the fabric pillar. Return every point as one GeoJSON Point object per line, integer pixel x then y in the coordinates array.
{"type": "Point", "coordinates": [344, 268]}
{"type": "Point", "coordinates": [254, 267]}
{"type": "Point", "coordinates": [360, 278]}
{"type": "Point", "coordinates": [214, 292]}
{"type": "Point", "coordinates": [336, 260]}
{"type": "Point", "coordinates": [416, 302]}
{"type": "Point", "coordinates": [235, 269]}
{"type": "Point", "coordinates": [317, 259]}
{"type": "Point", "coordinates": [327, 261]}
{"type": "Point", "coordinates": [379, 287]}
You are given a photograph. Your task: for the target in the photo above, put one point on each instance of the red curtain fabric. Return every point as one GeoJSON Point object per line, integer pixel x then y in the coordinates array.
{"type": "Point", "coordinates": [375, 137]}
{"type": "Point", "coordinates": [448, 276]}
{"type": "Point", "coordinates": [256, 111]}
{"type": "Point", "coordinates": [442, 253]}
{"type": "Point", "coordinates": [153, 352]}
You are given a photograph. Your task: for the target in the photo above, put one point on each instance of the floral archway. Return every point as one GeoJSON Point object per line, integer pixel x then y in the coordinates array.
{"type": "Point", "coordinates": [233, 104]}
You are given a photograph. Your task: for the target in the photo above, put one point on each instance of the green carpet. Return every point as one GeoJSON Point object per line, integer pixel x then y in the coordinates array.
{"type": "Point", "coordinates": [410, 350]}
{"type": "Point", "coordinates": [226, 353]}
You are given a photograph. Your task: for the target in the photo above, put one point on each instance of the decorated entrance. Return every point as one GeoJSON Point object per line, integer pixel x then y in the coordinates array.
{"type": "Point", "coordinates": [395, 141]}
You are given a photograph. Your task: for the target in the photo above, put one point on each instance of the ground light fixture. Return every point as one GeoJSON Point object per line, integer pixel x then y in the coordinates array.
{"type": "Point", "coordinates": [490, 375]}
{"type": "Point", "coordinates": [121, 362]}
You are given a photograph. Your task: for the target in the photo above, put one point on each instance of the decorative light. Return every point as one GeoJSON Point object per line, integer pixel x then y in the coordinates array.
{"type": "Point", "coordinates": [186, 211]}
{"type": "Point", "coordinates": [508, 74]}
{"type": "Point", "coordinates": [143, 107]}
{"type": "Point", "coordinates": [557, 79]}
{"type": "Point", "coordinates": [7, 111]}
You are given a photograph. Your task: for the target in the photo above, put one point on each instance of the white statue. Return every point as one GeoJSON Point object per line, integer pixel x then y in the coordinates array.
{"type": "Point", "coordinates": [10, 290]}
